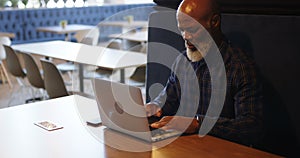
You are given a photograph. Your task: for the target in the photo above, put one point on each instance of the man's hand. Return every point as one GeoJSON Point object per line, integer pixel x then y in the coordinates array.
{"type": "Point", "coordinates": [153, 110]}
{"type": "Point", "coordinates": [180, 123]}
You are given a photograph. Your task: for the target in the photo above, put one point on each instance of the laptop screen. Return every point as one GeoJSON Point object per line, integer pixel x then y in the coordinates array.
{"type": "Point", "coordinates": [121, 108]}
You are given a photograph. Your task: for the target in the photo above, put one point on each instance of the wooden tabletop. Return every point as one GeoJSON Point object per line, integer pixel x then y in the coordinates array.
{"type": "Point", "coordinates": [7, 34]}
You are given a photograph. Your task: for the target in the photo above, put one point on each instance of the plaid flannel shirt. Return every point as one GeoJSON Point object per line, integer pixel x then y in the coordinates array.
{"type": "Point", "coordinates": [240, 119]}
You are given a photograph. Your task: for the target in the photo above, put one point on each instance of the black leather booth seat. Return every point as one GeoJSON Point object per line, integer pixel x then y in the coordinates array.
{"type": "Point", "coordinates": [23, 22]}
{"type": "Point", "coordinates": [273, 42]}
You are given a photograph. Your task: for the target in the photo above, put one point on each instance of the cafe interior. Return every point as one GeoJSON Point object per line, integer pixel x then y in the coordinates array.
{"type": "Point", "coordinates": [53, 53]}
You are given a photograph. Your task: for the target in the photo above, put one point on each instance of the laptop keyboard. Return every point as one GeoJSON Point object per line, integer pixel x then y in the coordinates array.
{"type": "Point", "coordinates": [160, 134]}
{"type": "Point", "coordinates": [157, 132]}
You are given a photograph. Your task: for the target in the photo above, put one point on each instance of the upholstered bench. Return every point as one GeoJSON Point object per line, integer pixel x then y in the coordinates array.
{"type": "Point", "coordinates": [23, 22]}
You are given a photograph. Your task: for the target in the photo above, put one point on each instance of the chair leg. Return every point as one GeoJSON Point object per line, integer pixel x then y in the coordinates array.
{"type": "Point", "coordinates": [6, 75]}
{"type": "Point", "coordinates": [36, 92]}
{"type": "Point", "coordinates": [33, 96]}
{"type": "Point", "coordinates": [2, 76]}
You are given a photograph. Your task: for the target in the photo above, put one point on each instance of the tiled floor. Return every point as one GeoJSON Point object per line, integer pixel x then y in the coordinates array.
{"type": "Point", "coordinates": [17, 95]}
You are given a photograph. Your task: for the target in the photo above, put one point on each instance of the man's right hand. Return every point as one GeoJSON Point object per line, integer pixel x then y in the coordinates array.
{"type": "Point", "coordinates": [153, 110]}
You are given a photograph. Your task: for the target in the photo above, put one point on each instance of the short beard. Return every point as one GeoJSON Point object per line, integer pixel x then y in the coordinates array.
{"type": "Point", "coordinates": [197, 55]}
{"type": "Point", "coordinates": [194, 55]}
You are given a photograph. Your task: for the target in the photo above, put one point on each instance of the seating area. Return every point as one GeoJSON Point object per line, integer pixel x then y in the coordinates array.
{"type": "Point", "coordinates": [32, 89]}
{"type": "Point", "coordinates": [24, 22]}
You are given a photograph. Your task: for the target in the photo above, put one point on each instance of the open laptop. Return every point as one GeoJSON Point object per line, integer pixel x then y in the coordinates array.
{"type": "Point", "coordinates": [121, 109]}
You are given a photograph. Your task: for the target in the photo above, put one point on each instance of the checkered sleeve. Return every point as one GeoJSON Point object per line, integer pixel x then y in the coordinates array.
{"type": "Point", "coordinates": [246, 126]}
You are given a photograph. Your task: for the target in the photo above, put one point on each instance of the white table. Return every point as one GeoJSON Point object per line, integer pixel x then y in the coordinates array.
{"type": "Point", "coordinates": [125, 25]}
{"type": "Point", "coordinates": [70, 28]}
{"type": "Point", "coordinates": [134, 24]}
{"type": "Point", "coordinates": [137, 36]}
{"type": "Point", "coordinates": [21, 138]}
{"type": "Point", "coordinates": [86, 54]}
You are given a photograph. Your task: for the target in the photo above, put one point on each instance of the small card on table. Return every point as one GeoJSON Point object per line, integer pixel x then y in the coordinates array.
{"type": "Point", "coordinates": [48, 125]}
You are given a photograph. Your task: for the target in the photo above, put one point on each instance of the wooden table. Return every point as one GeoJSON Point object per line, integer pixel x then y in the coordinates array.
{"type": "Point", "coordinates": [86, 54]}
{"type": "Point", "coordinates": [7, 34]}
{"type": "Point", "coordinates": [70, 28]}
{"type": "Point", "coordinates": [21, 138]}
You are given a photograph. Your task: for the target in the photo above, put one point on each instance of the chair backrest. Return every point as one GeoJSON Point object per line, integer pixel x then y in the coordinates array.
{"type": "Point", "coordinates": [163, 48]}
{"type": "Point", "coordinates": [89, 37]}
{"type": "Point", "coordinates": [3, 41]}
{"type": "Point", "coordinates": [272, 40]}
{"type": "Point", "coordinates": [79, 35]}
{"type": "Point", "coordinates": [13, 62]}
{"type": "Point", "coordinates": [32, 71]}
{"type": "Point", "coordinates": [115, 44]}
{"type": "Point", "coordinates": [54, 83]}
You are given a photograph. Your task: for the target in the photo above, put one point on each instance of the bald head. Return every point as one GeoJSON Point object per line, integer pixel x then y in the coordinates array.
{"type": "Point", "coordinates": [198, 9]}
{"type": "Point", "coordinates": [196, 16]}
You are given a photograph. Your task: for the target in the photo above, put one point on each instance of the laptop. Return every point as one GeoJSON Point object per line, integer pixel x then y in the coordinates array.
{"type": "Point", "coordinates": [121, 108]}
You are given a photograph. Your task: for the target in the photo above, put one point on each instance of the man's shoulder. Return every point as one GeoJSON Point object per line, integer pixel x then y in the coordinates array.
{"type": "Point", "coordinates": [241, 64]}
{"type": "Point", "coordinates": [239, 57]}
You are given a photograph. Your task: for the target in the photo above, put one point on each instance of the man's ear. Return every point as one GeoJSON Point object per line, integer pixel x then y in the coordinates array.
{"type": "Point", "coordinates": [215, 21]}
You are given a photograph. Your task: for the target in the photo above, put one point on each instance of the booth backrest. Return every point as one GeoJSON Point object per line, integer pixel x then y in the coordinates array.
{"type": "Point", "coordinates": [273, 42]}
{"type": "Point", "coordinates": [23, 22]}
{"type": "Point", "coordinates": [164, 44]}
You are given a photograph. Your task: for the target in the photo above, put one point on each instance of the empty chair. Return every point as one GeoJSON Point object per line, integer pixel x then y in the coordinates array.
{"type": "Point", "coordinates": [67, 67]}
{"type": "Point", "coordinates": [54, 83]}
{"type": "Point", "coordinates": [115, 44]}
{"type": "Point", "coordinates": [13, 64]}
{"type": "Point", "coordinates": [14, 67]}
{"type": "Point", "coordinates": [105, 72]}
{"type": "Point", "coordinates": [4, 75]}
{"type": "Point", "coordinates": [89, 37]}
{"type": "Point", "coordinates": [138, 75]}
{"type": "Point", "coordinates": [100, 72]}
{"type": "Point", "coordinates": [33, 74]}
{"type": "Point", "coordinates": [79, 35]}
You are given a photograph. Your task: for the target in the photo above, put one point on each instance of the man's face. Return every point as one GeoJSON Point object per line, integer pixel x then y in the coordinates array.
{"type": "Point", "coordinates": [194, 24]}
